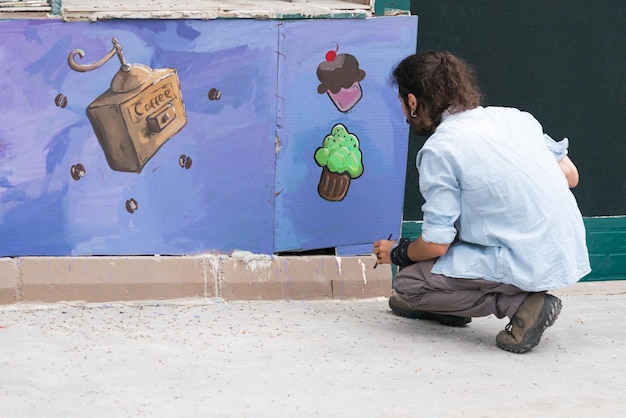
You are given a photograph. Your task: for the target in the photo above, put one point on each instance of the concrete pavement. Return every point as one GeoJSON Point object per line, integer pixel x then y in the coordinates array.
{"type": "Point", "coordinates": [331, 358]}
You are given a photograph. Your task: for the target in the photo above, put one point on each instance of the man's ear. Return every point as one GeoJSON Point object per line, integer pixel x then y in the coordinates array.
{"type": "Point", "coordinates": [412, 102]}
{"type": "Point", "coordinates": [420, 107]}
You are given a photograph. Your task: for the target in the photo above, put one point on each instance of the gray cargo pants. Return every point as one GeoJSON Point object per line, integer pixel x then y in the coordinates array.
{"type": "Point", "coordinates": [436, 293]}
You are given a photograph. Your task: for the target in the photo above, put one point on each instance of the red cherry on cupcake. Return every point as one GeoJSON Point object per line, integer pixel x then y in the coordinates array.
{"type": "Point", "coordinates": [331, 55]}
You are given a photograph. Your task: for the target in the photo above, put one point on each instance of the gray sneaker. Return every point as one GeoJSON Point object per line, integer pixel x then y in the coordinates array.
{"type": "Point", "coordinates": [537, 312]}
{"type": "Point", "coordinates": [401, 308]}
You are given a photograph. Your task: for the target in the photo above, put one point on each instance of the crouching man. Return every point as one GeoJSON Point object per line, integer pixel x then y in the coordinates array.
{"type": "Point", "coordinates": [501, 227]}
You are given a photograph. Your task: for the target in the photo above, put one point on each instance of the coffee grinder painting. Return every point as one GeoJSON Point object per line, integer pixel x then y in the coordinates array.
{"type": "Point", "coordinates": [137, 137]}
{"type": "Point", "coordinates": [141, 110]}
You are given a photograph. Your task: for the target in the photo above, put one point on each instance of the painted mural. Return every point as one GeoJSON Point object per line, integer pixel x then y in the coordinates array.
{"type": "Point", "coordinates": [340, 78]}
{"type": "Point", "coordinates": [132, 137]}
{"type": "Point", "coordinates": [343, 140]}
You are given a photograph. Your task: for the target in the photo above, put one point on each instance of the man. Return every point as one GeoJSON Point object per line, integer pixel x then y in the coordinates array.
{"type": "Point", "coordinates": [500, 226]}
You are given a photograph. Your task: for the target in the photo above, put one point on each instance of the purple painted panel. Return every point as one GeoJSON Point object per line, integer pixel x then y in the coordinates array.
{"type": "Point", "coordinates": [168, 137]}
{"type": "Point", "coordinates": [173, 154]}
{"type": "Point", "coordinates": [343, 138]}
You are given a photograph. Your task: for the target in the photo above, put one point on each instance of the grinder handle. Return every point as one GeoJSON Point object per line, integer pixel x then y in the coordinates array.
{"type": "Point", "coordinates": [117, 49]}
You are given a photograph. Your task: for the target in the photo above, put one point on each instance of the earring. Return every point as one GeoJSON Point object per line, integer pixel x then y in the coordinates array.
{"type": "Point", "coordinates": [413, 114]}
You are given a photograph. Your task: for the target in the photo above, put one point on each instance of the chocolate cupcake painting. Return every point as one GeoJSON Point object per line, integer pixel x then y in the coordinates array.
{"type": "Point", "coordinates": [341, 160]}
{"type": "Point", "coordinates": [340, 77]}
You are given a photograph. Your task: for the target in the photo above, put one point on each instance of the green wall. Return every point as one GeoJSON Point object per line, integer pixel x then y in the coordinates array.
{"type": "Point", "coordinates": [564, 61]}
{"type": "Point", "coordinates": [606, 240]}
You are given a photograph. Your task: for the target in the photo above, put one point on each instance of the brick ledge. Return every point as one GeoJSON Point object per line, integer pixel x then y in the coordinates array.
{"type": "Point", "coordinates": [239, 276]}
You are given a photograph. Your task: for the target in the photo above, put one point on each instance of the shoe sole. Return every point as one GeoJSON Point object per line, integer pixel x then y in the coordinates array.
{"type": "Point", "coordinates": [549, 313]}
{"type": "Point", "coordinates": [448, 320]}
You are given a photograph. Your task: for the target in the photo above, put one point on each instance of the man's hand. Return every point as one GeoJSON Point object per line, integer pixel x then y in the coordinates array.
{"type": "Point", "coordinates": [382, 250]}
{"type": "Point", "coordinates": [570, 171]}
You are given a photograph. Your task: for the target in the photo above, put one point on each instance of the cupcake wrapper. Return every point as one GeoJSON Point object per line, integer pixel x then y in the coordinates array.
{"type": "Point", "coordinates": [333, 186]}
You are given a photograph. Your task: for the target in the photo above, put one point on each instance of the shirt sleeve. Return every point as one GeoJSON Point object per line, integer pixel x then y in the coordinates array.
{"type": "Point", "coordinates": [558, 149]}
{"type": "Point", "coordinates": [440, 188]}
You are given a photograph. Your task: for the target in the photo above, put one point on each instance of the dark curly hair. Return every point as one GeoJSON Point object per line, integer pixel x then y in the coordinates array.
{"type": "Point", "coordinates": [439, 81]}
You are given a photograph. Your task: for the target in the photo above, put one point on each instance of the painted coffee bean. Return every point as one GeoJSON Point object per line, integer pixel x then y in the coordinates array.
{"type": "Point", "coordinates": [60, 100]}
{"type": "Point", "coordinates": [185, 162]}
{"type": "Point", "coordinates": [214, 94]}
{"type": "Point", "coordinates": [131, 205]}
{"type": "Point", "coordinates": [77, 171]}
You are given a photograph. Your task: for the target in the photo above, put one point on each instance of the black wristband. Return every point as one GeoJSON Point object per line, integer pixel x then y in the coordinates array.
{"type": "Point", "coordinates": [399, 255]}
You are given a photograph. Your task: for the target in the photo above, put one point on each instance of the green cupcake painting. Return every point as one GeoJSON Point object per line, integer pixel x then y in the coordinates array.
{"type": "Point", "coordinates": [341, 160]}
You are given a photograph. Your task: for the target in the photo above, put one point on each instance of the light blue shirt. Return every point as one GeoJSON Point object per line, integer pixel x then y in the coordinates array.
{"type": "Point", "coordinates": [491, 175]}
